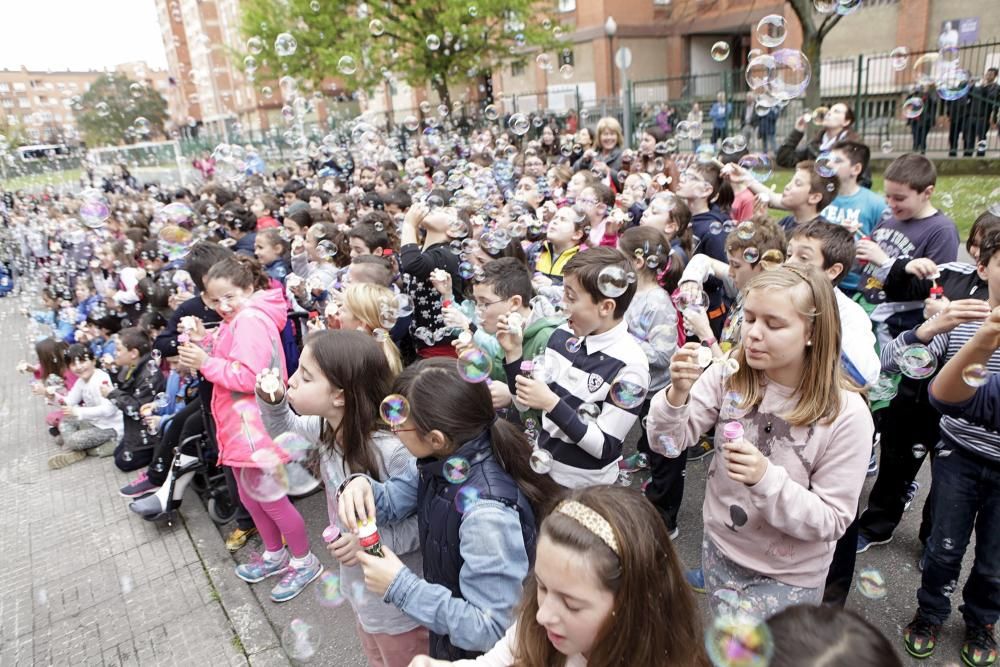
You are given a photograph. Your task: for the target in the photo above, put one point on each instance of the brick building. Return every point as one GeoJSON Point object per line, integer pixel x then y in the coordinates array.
{"type": "Point", "coordinates": [39, 102]}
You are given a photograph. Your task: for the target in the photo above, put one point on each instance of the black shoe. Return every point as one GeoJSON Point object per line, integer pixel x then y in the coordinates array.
{"type": "Point", "coordinates": [920, 637]}
{"type": "Point", "coordinates": [979, 648]}
{"type": "Point", "coordinates": [54, 431]}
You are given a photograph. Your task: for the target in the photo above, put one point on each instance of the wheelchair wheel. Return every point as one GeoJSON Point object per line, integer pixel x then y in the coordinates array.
{"type": "Point", "coordinates": [221, 509]}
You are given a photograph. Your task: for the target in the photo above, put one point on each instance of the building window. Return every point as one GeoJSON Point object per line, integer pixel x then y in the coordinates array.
{"type": "Point", "coordinates": [516, 69]}
{"type": "Point", "coordinates": [23, 103]}
{"type": "Point", "coordinates": [19, 86]}
{"type": "Point", "coordinates": [566, 57]}
{"type": "Point", "coordinates": [567, 5]}
{"type": "Point", "coordinates": [8, 104]}
{"type": "Point", "coordinates": [661, 3]}
{"type": "Point", "coordinates": [4, 88]}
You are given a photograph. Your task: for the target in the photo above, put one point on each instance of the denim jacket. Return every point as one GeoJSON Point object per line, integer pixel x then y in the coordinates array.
{"type": "Point", "coordinates": [495, 566]}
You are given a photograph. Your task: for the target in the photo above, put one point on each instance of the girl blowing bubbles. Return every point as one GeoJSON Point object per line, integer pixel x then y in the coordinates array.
{"type": "Point", "coordinates": [591, 595]}
{"type": "Point", "coordinates": [247, 342]}
{"type": "Point", "coordinates": [781, 494]}
{"type": "Point", "coordinates": [475, 497]}
{"type": "Point", "coordinates": [341, 380]}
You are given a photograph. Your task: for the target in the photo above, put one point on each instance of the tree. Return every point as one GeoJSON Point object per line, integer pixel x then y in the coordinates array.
{"type": "Point", "coordinates": [435, 42]}
{"type": "Point", "coordinates": [813, 34]}
{"type": "Point", "coordinates": [13, 134]}
{"type": "Point", "coordinates": [111, 112]}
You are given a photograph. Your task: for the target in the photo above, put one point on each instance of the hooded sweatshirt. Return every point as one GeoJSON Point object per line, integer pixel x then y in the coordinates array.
{"type": "Point", "coordinates": [241, 348]}
{"type": "Point", "coordinates": [786, 525]}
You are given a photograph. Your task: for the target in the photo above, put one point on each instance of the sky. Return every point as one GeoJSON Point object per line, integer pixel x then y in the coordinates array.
{"type": "Point", "coordinates": [79, 34]}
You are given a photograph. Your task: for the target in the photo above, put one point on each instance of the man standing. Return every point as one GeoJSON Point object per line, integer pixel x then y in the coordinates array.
{"type": "Point", "coordinates": [984, 102]}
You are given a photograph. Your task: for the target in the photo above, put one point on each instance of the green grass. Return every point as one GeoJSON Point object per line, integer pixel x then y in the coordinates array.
{"type": "Point", "coordinates": [37, 181]}
{"type": "Point", "coordinates": [969, 195]}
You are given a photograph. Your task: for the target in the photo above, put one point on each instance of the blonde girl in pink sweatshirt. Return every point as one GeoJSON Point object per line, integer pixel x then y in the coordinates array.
{"type": "Point", "coordinates": [780, 495]}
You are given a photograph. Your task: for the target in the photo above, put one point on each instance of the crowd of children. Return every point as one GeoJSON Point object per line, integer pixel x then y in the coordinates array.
{"type": "Point", "coordinates": [462, 342]}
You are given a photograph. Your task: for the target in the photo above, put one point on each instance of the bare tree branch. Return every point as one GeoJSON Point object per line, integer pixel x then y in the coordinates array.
{"type": "Point", "coordinates": [828, 24]}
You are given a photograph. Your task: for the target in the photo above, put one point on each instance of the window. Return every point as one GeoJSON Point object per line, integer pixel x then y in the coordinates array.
{"type": "Point", "coordinates": [23, 102]}
{"type": "Point", "coordinates": [19, 86]}
{"type": "Point", "coordinates": [566, 57]}
{"type": "Point", "coordinates": [567, 5]}
{"type": "Point", "coordinates": [516, 69]}
{"type": "Point", "coordinates": [8, 104]}
{"type": "Point", "coordinates": [4, 88]}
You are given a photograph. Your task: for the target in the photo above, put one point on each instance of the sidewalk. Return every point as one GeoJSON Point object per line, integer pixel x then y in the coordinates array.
{"type": "Point", "coordinates": [87, 581]}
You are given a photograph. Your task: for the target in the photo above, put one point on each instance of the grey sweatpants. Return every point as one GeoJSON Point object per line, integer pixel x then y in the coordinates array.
{"type": "Point", "coordinates": [733, 589]}
{"type": "Point", "coordinates": [81, 435]}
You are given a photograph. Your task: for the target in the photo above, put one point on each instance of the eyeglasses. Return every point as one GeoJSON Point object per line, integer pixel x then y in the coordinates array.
{"type": "Point", "coordinates": [484, 306]}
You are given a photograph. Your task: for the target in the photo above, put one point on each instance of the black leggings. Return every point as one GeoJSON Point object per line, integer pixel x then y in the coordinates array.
{"type": "Point", "coordinates": [185, 423]}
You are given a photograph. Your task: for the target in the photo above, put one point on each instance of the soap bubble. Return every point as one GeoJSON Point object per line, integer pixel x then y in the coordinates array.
{"type": "Point", "coordinates": [300, 640]}
{"type": "Point", "coordinates": [715, 227]}
{"type": "Point", "coordinates": [982, 145]}
{"type": "Point", "coordinates": [394, 410]}
{"type": "Point", "coordinates": [285, 45]}
{"type": "Point", "coordinates": [668, 446]}
{"type": "Point", "coordinates": [825, 6]}
{"type": "Point", "coordinates": [759, 71]}
{"type": "Point", "coordinates": [94, 208]}
{"type": "Point", "coordinates": [519, 124]}
{"type": "Point", "coordinates": [177, 213]}
{"type": "Point", "coordinates": [917, 362]}
{"type": "Point", "coordinates": [954, 84]}
{"type": "Point", "coordinates": [541, 461]}
{"type": "Point", "coordinates": [751, 255]}
{"type": "Point", "coordinates": [628, 390]}
{"type": "Point", "coordinates": [759, 165]}
{"type": "Point", "coordinates": [566, 71]}
{"type": "Point", "coordinates": [720, 51]}
{"type": "Point", "coordinates": [900, 58]}
{"type": "Point", "coordinates": [737, 640]}
{"type": "Point", "coordinates": [141, 125]}
{"type": "Point", "coordinates": [745, 230]}
{"type": "Point", "coordinates": [474, 365]}
{"type": "Point", "coordinates": [328, 591]}
{"type": "Point", "coordinates": [947, 201]}
{"type": "Point", "coordinates": [791, 76]}
{"type": "Point", "coordinates": [871, 584]}
{"type": "Point", "coordinates": [919, 451]}
{"type": "Point", "coordinates": [612, 281]}
{"type": "Point", "coordinates": [490, 112]}
{"type": "Point", "coordinates": [433, 42]}
{"type": "Point", "coordinates": [573, 345]}
{"type": "Point", "coordinates": [466, 498]}
{"type": "Point", "coordinates": [913, 107]}
{"type": "Point", "coordinates": [266, 481]}
{"type": "Point", "coordinates": [886, 146]}
{"type": "Point", "coordinates": [884, 389]}
{"type": "Point", "coordinates": [294, 444]}
{"type": "Point", "coordinates": [771, 30]}
{"type": "Point", "coordinates": [975, 375]}
{"type": "Point", "coordinates": [772, 259]}
{"type": "Point", "coordinates": [846, 7]}
{"type": "Point", "coordinates": [255, 45]}
{"type": "Point", "coordinates": [102, 109]}
{"type": "Point", "coordinates": [826, 165]}
{"type": "Point", "coordinates": [347, 65]}
{"type": "Point", "coordinates": [375, 27]}
{"type": "Point", "coordinates": [588, 412]}
{"type": "Point", "coordinates": [456, 470]}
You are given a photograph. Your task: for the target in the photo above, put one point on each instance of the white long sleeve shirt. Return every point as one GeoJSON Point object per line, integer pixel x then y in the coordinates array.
{"type": "Point", "coordinates": [96, 409]}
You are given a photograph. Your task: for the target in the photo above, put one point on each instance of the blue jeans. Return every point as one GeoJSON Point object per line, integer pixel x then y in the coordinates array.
{"type": "Point", "coordinates": [966, 496]}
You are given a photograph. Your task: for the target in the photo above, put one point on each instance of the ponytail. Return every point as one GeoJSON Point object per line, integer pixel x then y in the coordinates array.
{"type": "Point", "coordinates": [441, 400]}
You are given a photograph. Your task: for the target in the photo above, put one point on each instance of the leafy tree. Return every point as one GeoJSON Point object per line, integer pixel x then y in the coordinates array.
{"type": "Point", "coordinates": [435, 42]}
{"type": "Point", "coordinates": [108, 112]}
{"type": "Point", "coordinates": [14, 134]}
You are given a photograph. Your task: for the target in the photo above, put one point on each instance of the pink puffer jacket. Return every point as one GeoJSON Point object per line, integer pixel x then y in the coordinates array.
{"type": "Point", "coordinates": [241, 348]}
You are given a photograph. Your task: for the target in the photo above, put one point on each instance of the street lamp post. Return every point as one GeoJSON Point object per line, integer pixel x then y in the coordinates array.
{"type": "Point", "coordinates": [610, 28]}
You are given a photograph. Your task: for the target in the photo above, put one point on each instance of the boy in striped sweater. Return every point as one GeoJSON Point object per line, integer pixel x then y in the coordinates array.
{"type": "Point", "coordinates": [966, 467]}
{"type": "Point", "coordinates": [599, 375]}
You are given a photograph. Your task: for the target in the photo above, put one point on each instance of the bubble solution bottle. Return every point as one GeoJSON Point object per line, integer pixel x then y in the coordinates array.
{"type": "Point", "coordinates": [732, 431]}
{"type": "Point", "coordinates": [369, 539]}
{"type": "Point", "coordinates": [526, 368]}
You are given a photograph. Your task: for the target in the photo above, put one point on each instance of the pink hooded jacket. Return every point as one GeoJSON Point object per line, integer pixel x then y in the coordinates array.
{"type": "Point", "coordinates": [240, 349]}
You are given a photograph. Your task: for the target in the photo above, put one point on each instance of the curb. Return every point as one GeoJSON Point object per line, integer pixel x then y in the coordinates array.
{"type": "Point", "coordinates": [245, 613]}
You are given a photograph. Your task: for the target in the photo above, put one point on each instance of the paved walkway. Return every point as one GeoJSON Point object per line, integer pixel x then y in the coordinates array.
{"type": "Point", "coordinates": [87, 582]}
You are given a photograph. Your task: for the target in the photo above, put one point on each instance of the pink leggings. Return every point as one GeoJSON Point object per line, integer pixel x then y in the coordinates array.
{"type": "Point", "coordinates": [276, 519]}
